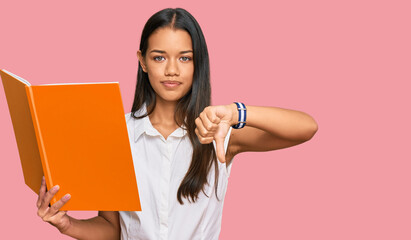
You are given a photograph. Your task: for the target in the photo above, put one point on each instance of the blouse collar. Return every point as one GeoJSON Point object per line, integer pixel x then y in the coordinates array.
{"type": "Point", "coordinates": [144, 126]}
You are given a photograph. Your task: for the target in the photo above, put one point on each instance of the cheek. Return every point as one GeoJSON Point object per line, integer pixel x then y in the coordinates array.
{"type": "Point", "coordinates": [188, 78]}
{"type": "Point", "coordinates": [154, 74]}
{"type": "Point", "coordinates": [189, 72]}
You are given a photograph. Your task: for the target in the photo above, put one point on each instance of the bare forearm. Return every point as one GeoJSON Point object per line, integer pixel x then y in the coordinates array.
{"type": "Point", "coordinates": [93, 228]}
{"type": "Point", "coordinates": [283, 123]}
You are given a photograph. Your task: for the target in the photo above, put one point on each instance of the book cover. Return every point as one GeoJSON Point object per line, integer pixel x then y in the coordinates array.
{"type": "Point", "coordinates": [76, 135]}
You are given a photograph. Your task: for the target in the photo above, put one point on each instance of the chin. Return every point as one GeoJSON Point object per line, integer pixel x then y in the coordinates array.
{"type": "Point", "coordinates": [170, 97]}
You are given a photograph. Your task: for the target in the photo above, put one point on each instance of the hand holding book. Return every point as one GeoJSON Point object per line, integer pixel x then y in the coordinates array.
{"type": "Point", "coordinates": [104, 226]}
{"type": "Point", "coordinates": [52, 214]}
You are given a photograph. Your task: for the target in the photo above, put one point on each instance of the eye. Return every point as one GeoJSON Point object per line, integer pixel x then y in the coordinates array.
{"type": "Point", "coordinates": [185, 59]}
{"type": "Point", "coordinates": [159, 58]}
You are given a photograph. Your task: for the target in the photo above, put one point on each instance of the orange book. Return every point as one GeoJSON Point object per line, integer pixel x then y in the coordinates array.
{"type": "Point", "coordinates": [76, 136]}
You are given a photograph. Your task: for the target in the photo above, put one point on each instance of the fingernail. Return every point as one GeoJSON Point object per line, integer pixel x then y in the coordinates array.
{"type": "Point", "coordinates": [67, 196]}
{"type": "Point", "coordinates": [55, 188]}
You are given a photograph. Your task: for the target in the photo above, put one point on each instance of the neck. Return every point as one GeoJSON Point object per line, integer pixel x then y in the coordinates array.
{"type": "Point", "coordinates": [163, 114]}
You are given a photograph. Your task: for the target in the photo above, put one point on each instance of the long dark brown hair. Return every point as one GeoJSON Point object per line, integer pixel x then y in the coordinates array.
{"type": "Point", "coordinates": [189, 106]}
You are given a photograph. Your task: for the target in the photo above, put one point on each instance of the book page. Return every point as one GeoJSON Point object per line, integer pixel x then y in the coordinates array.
{"type": "Point", "coordinates": [17, 77]}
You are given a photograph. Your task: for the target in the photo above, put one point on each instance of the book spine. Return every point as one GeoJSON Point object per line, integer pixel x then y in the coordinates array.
{"type": "Point", "coordinates": [43, 156]}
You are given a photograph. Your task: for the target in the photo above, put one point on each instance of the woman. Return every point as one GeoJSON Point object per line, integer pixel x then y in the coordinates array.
{"type": "Point", "coordinates": [182, 176]}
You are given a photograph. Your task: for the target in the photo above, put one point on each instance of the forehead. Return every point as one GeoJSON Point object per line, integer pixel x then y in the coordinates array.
{"type": "Point", "coordinates": [169, 40]}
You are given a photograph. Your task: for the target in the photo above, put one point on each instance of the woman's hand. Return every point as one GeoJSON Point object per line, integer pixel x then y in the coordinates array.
{"type": "Point", "coordinates": [52, 215]}
{"type": "Point", "coordinates": [268, 128]}
{"type": "Point", "coordinates": [214, 123]}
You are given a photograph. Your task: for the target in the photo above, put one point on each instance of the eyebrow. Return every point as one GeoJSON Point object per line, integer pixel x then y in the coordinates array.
{"type": "Point", "coordinates": [161, 51]}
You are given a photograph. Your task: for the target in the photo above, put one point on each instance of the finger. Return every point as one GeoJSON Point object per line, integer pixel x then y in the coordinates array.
{"type": "Point", "coordinates": [210, 122]}
{"type": "Point", "coordinates": [211, 114]}
{"type": "Point", "coordinates": [56, 206]}
{"type": "Point", "coordinates": [219, 142]}
{"type": "Point", "coordinates": [203, 140]}
{"type": "Point", "coordinates": [210, 119]}
{"type": "Point", "coordinates": [202, 129]}
{"type": "Point", "coordinates": [206, 140]}
{"type": "Point", "coordinates": [47, 198]}
{"type": "Point", "coordinates": [197, 133]}
{"type": "Point", "coordinates": [42, 192]}
{"type": "Point", "coordinates": [58, 216]}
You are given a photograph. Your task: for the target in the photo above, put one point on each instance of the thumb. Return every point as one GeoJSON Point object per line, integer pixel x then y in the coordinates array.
{"type": "Point", "coordinates": [219, 142]}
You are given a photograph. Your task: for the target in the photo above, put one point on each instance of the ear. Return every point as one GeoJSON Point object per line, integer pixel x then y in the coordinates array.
{"type": "Point", "coordinates": [142, 61]}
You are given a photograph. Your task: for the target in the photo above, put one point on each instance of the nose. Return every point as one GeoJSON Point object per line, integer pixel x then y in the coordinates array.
{"type": "Point", "coordinates": [172, 68]}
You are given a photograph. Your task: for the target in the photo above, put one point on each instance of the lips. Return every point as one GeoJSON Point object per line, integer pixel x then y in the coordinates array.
{"type": "Point", "coordinates": [171, 84]}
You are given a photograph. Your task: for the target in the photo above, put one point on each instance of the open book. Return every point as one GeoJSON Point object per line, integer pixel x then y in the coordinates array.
{"type": "Point", "coordinates": [76, 136]}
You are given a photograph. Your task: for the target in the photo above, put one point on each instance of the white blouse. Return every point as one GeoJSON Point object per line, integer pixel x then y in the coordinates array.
{"type": "Point", "coordinates": [160, 166]}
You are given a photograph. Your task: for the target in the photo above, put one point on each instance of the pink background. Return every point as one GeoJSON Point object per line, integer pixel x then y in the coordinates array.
{"type": "Point", "coordinates": [347, 63]}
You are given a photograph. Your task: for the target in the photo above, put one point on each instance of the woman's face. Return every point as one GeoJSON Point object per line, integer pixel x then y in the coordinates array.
{"type": "Point", "coordinates": [169, 63]}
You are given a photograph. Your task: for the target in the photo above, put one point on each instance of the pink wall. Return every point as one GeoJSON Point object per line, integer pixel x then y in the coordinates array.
{"type": "Point", "coordinates": [347, 64]}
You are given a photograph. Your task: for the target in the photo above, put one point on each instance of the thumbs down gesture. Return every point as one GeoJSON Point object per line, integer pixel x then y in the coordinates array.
{"type": "Point", "coordinates": [214, 123]}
